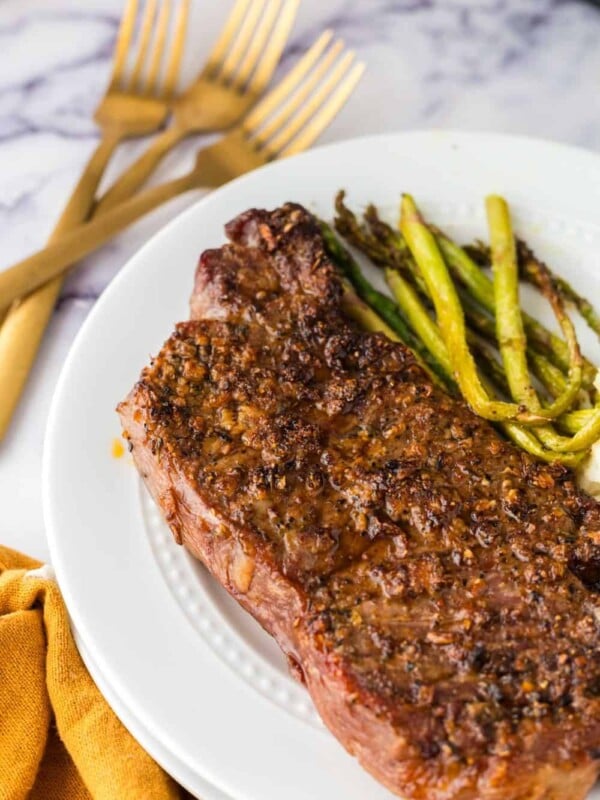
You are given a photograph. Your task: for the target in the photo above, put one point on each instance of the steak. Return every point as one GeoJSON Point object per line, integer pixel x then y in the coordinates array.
{"type": "Point", "coordinates": [434, 587]}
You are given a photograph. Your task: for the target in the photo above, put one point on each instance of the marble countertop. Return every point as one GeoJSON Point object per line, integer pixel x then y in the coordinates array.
{"type": "Point", "coordinates": [528, 67]}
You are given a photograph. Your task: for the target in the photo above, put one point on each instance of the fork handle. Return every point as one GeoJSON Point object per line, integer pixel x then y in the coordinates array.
{"type": "Point", "coordinates": [138, 173]}
{"type": "Point", "coordinates": [59, 255]}
{"type": "Point", "coordinates": [80, 203]}
{"type": "Point", "coordinates": [23, 328]}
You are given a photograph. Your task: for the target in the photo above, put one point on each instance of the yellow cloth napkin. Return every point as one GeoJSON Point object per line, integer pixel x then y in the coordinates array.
{"type": "Point", "coordinates": [59, 739]}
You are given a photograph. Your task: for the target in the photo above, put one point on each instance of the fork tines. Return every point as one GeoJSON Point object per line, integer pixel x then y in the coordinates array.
{"type": "Point", "coordinates": [295, 113]}
{"type": "Point", "coordinates": [160, 23]}
{"type": "Point", "coordinates": [250, 46]}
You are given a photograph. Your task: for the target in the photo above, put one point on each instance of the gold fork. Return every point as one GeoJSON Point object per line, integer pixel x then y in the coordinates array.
{"type": "Point", "coordinates": [135, 104]}
{"type": "Point", "coordinates": [136, 101]}
{"type": "Point", "coordinates": [285, 122]}
{"type": "Point", "coordinates": [236, 74]}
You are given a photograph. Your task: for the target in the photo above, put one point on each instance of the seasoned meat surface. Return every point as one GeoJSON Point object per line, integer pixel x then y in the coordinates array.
{"type": "Point", "coordinates": [435, 587]}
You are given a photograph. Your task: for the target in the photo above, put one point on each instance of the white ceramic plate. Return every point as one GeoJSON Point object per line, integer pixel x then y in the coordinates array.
{"type": "Point", "coordinates": [205, 690]}
{"type": "Point", "coordinates": [191, 780]}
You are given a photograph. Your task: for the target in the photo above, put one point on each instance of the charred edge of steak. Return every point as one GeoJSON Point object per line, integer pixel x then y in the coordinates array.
{"type": "Point", "coordinates": [230, 282]}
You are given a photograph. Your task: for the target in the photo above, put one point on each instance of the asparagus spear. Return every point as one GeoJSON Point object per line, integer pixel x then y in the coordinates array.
{"type": "Point", "coordinates": [381, 243]}
{"type": "Point", "coordinates": [478, 283]}
{"type": "Point", "coordinates": [421, 321]}
{"type": "Point", "coordinates": [574, 421]}
{"type": "Point", "coordinates": [390, 244]}
{"type": "Point", "coordinates": [529, 270]}
{"type": "Point", "coordinates": [422, 324]}
{"type": "Point", "coordinates": [586, 436]}
{"type": "Point", "coordinates": [509, 323]}
{"type": "Point", "coordinates": [536, 272]}
{"type": "Point", "coordinates": [550, 377]}
{"type": "Point", "coordinates": [524, 439]}
{"type": "Point", "coordinates": [451, 320]}
{"type": "Point", "coordinates": [494, 377]}
{"type": "Point", "coordinates": [419, 318]}
{"type": "Point", "coordinates": [364, 314]}
{"type": "Point", "coordinates": [386, 248]}
{"type": "Point", "coordinates": [583, 423]}
{"type": "Point", "coordinates": [490, 366]}
{"type": "Point", "coordinates": [383, 305]}
{"type": "Point", "coordinates": [510, 333]}
{"type": "Point", "coordinates": [422, 244]}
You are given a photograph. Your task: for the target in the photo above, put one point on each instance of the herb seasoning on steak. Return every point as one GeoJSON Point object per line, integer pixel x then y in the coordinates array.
{"type": "Point", "coordinates": [434, 586]}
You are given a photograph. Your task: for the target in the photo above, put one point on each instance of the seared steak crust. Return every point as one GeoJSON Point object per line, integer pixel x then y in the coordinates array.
{"type": "Point", "coordinates": [434, 586]}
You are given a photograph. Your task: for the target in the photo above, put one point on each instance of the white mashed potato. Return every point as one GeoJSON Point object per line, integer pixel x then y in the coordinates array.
{"type": "Point", "coordinates": [589, 473]}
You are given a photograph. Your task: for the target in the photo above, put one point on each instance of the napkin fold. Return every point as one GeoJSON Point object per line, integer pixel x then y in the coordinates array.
{"type": "Point", "coordinates": [59, 739]}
